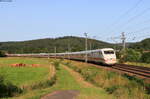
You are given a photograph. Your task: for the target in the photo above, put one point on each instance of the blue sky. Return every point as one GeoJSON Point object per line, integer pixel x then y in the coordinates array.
{"type": "Point", "coordinates": [33, 19]}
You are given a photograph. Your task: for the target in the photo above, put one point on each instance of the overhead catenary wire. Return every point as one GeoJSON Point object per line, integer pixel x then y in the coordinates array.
{"type": "Point", "coordinates": [140, 30]}
{"type": "Point", "coordinates": [143, 22]}
{"type": "Point", "coordinates": [137, 37]}
{"type": "Point", "coordinates": [135, 17]}
{"type": "Point", "coordinates": [126, 13]}
{"type": "Point", "coordinates": [138, 24]}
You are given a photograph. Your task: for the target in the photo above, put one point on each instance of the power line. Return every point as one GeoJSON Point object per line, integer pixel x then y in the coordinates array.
{"type": "Point", "coordinates": [136, 37]}
{"type": "Point", "coordinates": [143, 29]}
{"type": "Point", "coordinates": [139, 23]}
{"type": "Point", "coordinates": [133, 18]}
{"type": "Point", "coordinates": [146, 36]}
{"type": "Point", "coordinates": [126, 13]}
{"type": "Point", "coordinates": [129, 10]}
{"type": "Point", "coordinates": [146, 21]}
{"type": "Point", "coordinates": [122, 38]}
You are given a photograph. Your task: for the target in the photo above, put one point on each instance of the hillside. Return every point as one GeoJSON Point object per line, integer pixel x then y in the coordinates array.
{"type": "Point", "coordinates": [143, 45]}
{"type": "Point", "coordinates": [48, 45]}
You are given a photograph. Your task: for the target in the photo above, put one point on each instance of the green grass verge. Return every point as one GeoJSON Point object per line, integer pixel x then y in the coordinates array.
{"type": "Point", "coordinates": [120, 86]}
{"type": "Point", "coordinates": [65, 81]}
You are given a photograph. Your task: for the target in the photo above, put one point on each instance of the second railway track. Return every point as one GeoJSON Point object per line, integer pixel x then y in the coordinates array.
{"type": "Point", "coordinates": [132, 70]}
{"type": "Point", "coordinates": [143, 72]}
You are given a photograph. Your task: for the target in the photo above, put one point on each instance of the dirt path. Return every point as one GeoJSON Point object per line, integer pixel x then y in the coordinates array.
{"type": "Point", "coordinates": [70, 94]}
{"type": "Point", "coordinates": [66, 94]}
{"type": "Point", "coordinates": [63, 94]}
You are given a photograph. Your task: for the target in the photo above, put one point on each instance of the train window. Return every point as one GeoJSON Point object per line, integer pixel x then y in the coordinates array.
{"type": "Point", "coordinates": [109, 52]}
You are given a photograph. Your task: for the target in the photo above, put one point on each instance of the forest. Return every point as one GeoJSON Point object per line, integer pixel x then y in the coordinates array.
{"type": "Point", "coordinates": [64, 44]}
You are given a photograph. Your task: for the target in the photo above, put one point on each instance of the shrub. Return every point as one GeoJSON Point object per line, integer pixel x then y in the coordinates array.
{"type": "Point", "coordinates": [129, 55]}
{"type": "Point", "coordinates": [145, 57]}
{"type": "Point", "coordinates": [2, 54]}
{"type": "Point", "coordinates": [147, 88]}
{"type": "Point", "coordinates": [133, 78]}
{"type": "Point", "coordinates": [89, 73]}
{"type": "Point", "coordinates": [56, 64]}
{"type": "Point", "coordinates": [7, 89]}
{"type": "Point", "coordinates": [42, 84]}
{"type": "Point", "coordinates": [112, 89]}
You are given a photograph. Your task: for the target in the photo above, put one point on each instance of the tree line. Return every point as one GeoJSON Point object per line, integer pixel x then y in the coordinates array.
{"type": "Point", "coordinates": [135, 51]}
{"type": "Point", "coordinates": [62, 44]}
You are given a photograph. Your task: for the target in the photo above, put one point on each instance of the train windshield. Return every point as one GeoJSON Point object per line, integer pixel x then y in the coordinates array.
{"type": "Point", "coordinates": [109, 52]}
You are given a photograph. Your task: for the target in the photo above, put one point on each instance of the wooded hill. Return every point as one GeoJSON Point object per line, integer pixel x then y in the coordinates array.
{"type": "Point", "coordinates": [143, 45]}
{"type": "Point", "coordinates": [47, 45]}
{"type": "Point", "coordinates": [63, 44]}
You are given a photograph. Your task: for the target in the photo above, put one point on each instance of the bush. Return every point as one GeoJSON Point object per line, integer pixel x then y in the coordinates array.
{"type": "Point", "coordinates": [42, 84]}
{"type": "Point", "coordinates": [148, 88]}
{"type": "Point", "coordinates": [112, 89]}
{"type": "Point", "coordinates": [56, 64]}
{"type": "Point", "coordinates": [7, 89]}
{"type": "Point", "coordinates": [130, 55]}
{"type": "Point", "coordinates": [145, 57]}
{"type": "Point", "coordinates": [2, 54]}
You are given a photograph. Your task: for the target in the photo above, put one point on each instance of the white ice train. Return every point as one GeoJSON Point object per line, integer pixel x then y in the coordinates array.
{"type": "Point", "coordinates": [105, 55]}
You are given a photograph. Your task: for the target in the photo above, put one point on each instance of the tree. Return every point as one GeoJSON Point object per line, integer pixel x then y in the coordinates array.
{"type": "Point", "coordinates": [2, 54]}
{"type": "Point", "coordinates": [145, 57]}
{"type": "Point", "coordinates": [129, 55]}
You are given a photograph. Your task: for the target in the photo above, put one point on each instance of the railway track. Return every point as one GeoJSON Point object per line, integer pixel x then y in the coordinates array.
{"type": "Point", "coordinates": [132, 70]}
{"type": "Point", "coordinates": [142, 72]}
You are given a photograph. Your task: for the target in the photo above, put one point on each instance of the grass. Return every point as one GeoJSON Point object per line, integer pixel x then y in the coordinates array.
{"type": "Point", "coordinates": [138, 64]}
{"type": "Point", "coordinates": [66, 81]}
{"type": "Point", "coordinates": [11, 60]}
{"type": "Point", "coordinates": [25, 75]}
{"type": "Point", "coordinates": [27, 78]}
{"type": "Point", "coordinates": [120, 86]}
{"type": "Point", "coordinates": [105, 84]}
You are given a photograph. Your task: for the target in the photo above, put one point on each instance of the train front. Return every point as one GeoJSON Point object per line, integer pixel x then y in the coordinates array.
{"type": "Point", "coordinates": [109, 56]}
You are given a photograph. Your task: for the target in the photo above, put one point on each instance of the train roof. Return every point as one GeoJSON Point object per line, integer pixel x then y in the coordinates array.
{"type": "Point", "coordinates": [83, 52]}
{"type": "Point", "coordinates": [107, 49]}
{"type": "Point", "coordinates": [80, 52]}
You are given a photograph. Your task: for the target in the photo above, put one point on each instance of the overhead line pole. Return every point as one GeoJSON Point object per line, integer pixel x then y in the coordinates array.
{"type": "Point", "coordinates": [55, 50]}
{"type": "Point", "coordinates": [69, 50]}
{"type": "Point", "coordinates": [86, 54]}
{"type": "Point", "coordinates": [123, 40]}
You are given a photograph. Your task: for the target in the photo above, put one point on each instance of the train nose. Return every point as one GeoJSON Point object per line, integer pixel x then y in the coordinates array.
{"type": "Point", "coordinates": [110, 60]}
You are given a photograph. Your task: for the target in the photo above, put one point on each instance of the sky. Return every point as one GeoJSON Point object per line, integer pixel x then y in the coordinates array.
{"type": "Point", "coordinates": [102, 19]}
